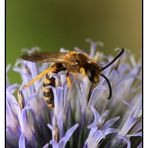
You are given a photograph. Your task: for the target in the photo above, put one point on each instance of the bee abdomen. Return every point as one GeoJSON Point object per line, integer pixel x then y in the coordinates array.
{"type": "Point", "coordinates": [47, 92]}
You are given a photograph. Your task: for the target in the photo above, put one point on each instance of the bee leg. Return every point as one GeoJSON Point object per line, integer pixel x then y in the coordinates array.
{"type": "Point", "coordinates": [39, 76]}
{"type": "Point", "coordinates": [109, 86]}
{"type": "Point", "coordinates": [114, 60]}
{"type": "Point", "coordinates": [49, 80]}
{"type": "Point", "coordinates": [69, 82]}
{"type": "Point", "coordinates": [83, 72]}
{"type": "Point", "coordinates": [76, 76]}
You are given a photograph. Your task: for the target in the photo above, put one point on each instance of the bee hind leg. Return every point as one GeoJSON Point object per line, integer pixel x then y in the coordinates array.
{"type": "Point", "coordinates": [39, 76]}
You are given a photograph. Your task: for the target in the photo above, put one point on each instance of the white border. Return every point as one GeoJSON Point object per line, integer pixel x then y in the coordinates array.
{"type": "Point", "coordinates": [145, 69]}
{"type": "Point", "coordinates": [2, 59]}
{"type": "Point", "coordinates": [2, 80]}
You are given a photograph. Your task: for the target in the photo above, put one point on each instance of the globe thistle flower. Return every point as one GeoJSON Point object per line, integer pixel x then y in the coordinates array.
{"type": "Point", "coordinates": [79, 118]}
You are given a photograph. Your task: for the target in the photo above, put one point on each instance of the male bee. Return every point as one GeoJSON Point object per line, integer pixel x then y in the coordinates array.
{"type": "Point", "coordinates": [72, 61]}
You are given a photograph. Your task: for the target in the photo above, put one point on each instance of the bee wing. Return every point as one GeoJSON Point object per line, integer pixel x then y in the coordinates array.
{"type": "Point", "coordinates": [42, 57]}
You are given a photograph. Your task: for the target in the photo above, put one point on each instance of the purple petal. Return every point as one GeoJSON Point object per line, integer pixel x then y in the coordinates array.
{"type": "Point", "coordinates": [68, 134]}
{"type": "Point", "coordinates": [97, 118]}
{"type": "Point", "coordinates": [128, 125]}
{"type": "Point", "coordinates": [65, 139]}
{"type": "Point", "coordinates": [26, 123]}
{"type": "Point", "coordinates": [12, 88]}
{"type": "Point", "coordinates": [139, 134]}
{"type": "Point", "coordinates": [128, 142]}
{"type": "Point", "coordinates": [93, 46]}
{"type": "Point", "coordinates": [95, 94]}
{"type": "Point", "coordinates": [94, 138]}
{"type": "Point", "coordinates": [96, 114]}
{"type": "Point", "coordinates": [122, 68]}
{"type": "Point", "coordinates": [46, 145]}
{"type": "Point", "coordinates": [110, 131]}
{"type": "Point", "coordinates": [92, 131]}
{"type": "Point", "coordinates": [34, 49]}
{"type": "Point", "coordinates": [55, 144]}
{"type": "Point", "coordinates": [83, 96]}
{"type": "Point", "coordinates": [110, 122]}
{"type": "Point", "coordinates": [50, 126]}
{"type": "Point", "coordinates": [137, 127]}
{"type": "Point", "coordinates": [140, 145]}
{"type": "Point", "coordinates": [105, 114]}
{"type": "Point", "coordinates": [58, 100]}
{"type": "Point", "coordinates": [97, 137]}
{"type": "Point", "coordinates": [22, 142]}
{"type": "Point", "coordinates": [34, 72]}
{"type": "Point", "coordinates": [7, 79]}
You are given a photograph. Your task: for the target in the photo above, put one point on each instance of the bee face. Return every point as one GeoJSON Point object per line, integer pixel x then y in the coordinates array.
{"type": "Point", "coordinates": [93, 72]}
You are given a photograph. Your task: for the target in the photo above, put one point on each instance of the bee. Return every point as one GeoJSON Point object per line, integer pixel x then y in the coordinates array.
{"type": "Point", "coordinates": [73, 62]}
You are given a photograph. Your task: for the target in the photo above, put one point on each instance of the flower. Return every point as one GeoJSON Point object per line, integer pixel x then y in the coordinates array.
{"type": "Point", "coordinates": [80, 118]}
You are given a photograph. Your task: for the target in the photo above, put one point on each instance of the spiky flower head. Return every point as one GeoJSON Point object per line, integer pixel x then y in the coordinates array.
{"type": "Point", "coordinates": [79, 118]}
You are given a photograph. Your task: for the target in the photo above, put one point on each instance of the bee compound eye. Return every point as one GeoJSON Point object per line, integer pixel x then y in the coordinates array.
{"type": "Point", "coordinates": [90, 75]}
{"type": "Point", "coordinates": [77, 62]}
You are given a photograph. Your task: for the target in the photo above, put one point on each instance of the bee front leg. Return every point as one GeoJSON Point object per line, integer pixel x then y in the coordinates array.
{"type": "Point", "coordinates": [69, 82]}
{"type": "Point", "coordinates": [83, 72]}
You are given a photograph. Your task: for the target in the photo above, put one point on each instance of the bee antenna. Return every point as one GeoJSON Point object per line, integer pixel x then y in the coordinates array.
{"type": "Point", "coordinates": [109, 85]}
{"type": "Point", "coordinates": [120, 53]}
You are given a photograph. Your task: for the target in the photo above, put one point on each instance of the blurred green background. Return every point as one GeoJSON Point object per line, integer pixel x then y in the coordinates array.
{"type": "Point", "coordinates": [52, 24]}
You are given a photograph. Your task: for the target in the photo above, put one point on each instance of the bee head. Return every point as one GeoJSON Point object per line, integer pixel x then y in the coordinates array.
{"type": "Point", "coordinates": [92, 70]}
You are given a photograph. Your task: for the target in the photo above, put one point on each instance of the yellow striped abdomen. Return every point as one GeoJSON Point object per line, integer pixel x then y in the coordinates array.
{"type": "Point", "coordinates": [47, 92]}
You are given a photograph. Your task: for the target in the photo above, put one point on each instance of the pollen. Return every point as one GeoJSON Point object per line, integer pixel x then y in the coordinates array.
{"type": "Point", "coordinates": [69, 82]}
{"type": "Point", "coordinates": [46, 81]}
{"type": "Point", "coordinates": [82, 71]}
{"type": "Point", "coordinates": [45, 89]}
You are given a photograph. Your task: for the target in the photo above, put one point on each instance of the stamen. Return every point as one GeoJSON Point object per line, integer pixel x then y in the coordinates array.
{"type": "Point", "coordinates": [20, 99]}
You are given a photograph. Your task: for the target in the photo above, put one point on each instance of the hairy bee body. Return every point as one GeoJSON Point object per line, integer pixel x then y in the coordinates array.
{"type": "Point", "coordinates": [47, 91]}
{"type": "Point", "coordinates": [72, 61]}
{"type": "Point", "coordinates": [50, 81]}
